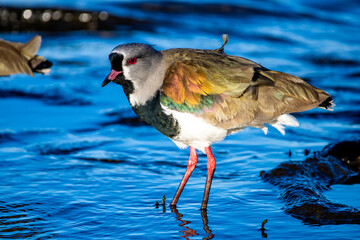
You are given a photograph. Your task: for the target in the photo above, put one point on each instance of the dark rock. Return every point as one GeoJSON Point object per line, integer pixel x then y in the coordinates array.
{"type": "Point", "coordinates": [347, 151]}
{"type": "Point", "coordinates": [306, 152]}
{"type": "Point", "coordinates": [61, 19]}
{"type": "Point", "coordinates": [302, 184]}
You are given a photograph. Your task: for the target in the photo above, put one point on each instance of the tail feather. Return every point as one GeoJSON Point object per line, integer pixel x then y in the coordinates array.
{"type": "Point", "coordinates": [39, 64]}
{"type": "Point", "coordinates": [284, 120]}
{"type": "Point", "coordinates": [328, 104]}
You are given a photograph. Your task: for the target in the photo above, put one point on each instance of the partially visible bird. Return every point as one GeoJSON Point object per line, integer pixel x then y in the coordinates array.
{"type": "Point", "coordinates": [22, 58]}
{"type": "Point", "coordinates": [198, 97]}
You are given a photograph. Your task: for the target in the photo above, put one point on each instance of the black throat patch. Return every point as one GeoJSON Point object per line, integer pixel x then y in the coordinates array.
{"type": "Point", "coordinates": [152, 113]}
{"type": "Point", "coordinates": [128, 87]}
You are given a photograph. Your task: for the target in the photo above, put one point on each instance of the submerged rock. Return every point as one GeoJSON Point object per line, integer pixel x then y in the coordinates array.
{"type": "Point", "coordinates": [302, 184]}
{"type": "Point", "coordinates": [347, 151]}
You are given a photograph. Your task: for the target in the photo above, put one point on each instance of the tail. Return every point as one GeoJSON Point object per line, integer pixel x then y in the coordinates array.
{"type": "Point", "coordinates": [328, 104]}
{"type": "Point", "coordinates": [36, 63]}
{"type": "Point", "coordinates": [39, 64]}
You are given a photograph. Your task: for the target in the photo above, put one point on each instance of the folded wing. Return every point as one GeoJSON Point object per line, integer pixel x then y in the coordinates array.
{"type": "Point", "coordinates": [233, 92]}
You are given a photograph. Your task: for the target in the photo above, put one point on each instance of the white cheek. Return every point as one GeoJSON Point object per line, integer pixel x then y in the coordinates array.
{"type": "Point", "coordinates": [126, 71]}
{"type": "Point", "coordinates": [127, 75]}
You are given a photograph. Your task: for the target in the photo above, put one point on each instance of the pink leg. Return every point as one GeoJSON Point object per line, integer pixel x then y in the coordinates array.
{"type": "Point", "coordinates": [211, 164]}
{"type": "Point", "coordinates": [190, 168]}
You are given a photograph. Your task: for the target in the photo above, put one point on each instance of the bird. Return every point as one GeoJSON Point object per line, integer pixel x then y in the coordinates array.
{"type": "Point", "coordinates": [21, 58]}
{"type": "Point", "coordinates": [197, 97]}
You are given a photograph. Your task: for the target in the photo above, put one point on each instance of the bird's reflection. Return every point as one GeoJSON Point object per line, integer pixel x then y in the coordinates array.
{"type": "Point", "coordinates": [205, 224]}
{"type": "Point", "coordinates": [189, 232]}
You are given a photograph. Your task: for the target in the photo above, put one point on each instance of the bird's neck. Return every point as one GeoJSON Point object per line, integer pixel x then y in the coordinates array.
{"type": "Point", "coordinates": [152, 113]}
{"type": "Point", "coordinates": [140, 95]}
{"type": "Point", "coordinates": [128, 87]}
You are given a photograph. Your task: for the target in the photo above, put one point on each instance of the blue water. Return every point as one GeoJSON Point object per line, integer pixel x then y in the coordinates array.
{"type": "Point", "coordinates": [71, 167]}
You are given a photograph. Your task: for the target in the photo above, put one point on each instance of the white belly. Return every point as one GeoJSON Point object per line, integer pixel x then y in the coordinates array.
{"type": "Point", "coordinates": [195, 131]}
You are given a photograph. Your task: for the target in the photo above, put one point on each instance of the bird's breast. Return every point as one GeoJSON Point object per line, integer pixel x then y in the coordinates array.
{"type": "Point", "coordinates": [195, 131]}
{"type": "Point", "coordinates": [152, 113]}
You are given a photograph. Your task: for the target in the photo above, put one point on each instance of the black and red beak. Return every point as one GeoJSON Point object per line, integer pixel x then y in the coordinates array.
{"type": "Point", "coordinates": [111, 77]}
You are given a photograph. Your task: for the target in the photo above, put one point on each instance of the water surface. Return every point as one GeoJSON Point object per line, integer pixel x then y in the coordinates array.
{"type": "Point", "coordinates": [73, 166]}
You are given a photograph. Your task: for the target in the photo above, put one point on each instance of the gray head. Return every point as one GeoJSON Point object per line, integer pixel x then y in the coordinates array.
{"type": "Point", "coordinates": [134, 64]}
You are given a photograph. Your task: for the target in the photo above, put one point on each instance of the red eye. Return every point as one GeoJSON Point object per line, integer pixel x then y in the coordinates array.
{"type": "Point", "coordinates": [132, 61]}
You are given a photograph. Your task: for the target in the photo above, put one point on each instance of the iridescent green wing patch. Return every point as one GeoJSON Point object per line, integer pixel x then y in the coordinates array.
{"type": "Point", "coordinates": [206, 103]}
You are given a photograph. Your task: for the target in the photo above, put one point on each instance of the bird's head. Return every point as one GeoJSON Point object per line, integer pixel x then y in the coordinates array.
{"type": "Point", "coordinates": [132, 62]}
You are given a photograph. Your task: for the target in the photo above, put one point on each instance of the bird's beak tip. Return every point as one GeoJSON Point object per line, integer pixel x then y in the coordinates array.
{"type": "Point", "coordinates": [105, 82]}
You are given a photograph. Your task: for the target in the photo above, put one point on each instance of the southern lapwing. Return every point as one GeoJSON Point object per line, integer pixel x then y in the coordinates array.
{"type": "Point", "coordinates": [198, 97]}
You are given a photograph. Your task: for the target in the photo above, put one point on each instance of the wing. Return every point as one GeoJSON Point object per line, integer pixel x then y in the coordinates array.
{"type": "Point", "coordinates": [233, 92]}
{"type": "Point", "coordinates": [194, 75]}
{"type": "Point", "coordinates": [11, 61]}
{"type": "Point", "coordinates": [30, 48]}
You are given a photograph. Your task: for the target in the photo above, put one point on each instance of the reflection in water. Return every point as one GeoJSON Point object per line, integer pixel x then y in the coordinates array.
{"type": "Point", "coordinates": [21, 219]}
{"type": "Point", "coordinates": [205, 224]}
{"type": "Point", "coordinates": [189, 232]}
{"type": "Point", "coordinates": [263, 233]}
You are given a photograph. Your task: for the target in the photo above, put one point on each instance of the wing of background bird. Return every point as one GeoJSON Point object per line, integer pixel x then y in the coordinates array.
{"type": "Point", "coordinates": [233, 92]}
{"type": "Point", "coordinates": [31, 47]}
{"type": "Point", "coordinates": [11, 61]}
